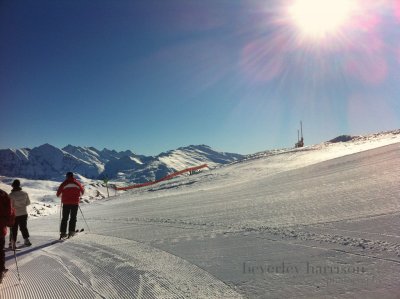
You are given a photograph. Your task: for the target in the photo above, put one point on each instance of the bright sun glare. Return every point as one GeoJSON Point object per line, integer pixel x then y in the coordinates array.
{"type": "Point", "coordinates": [320, 18]}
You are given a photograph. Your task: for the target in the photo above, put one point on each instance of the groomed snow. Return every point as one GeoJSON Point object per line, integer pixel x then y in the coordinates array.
{"type": "Point", "coordinates": [316, 222]}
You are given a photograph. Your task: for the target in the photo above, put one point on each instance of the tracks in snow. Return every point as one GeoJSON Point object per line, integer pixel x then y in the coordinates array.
{"type": "Point", "coordinates": [95, 266]}
{"type": "Point", "coordinates": [369, 243]}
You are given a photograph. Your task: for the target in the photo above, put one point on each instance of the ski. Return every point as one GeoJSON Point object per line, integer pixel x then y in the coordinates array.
{"type": "Point", "coordinates": [69, 236]}
{"type": "Point", "coordinates": [18, 247]}
{"type": "Point", "coordinates": [76, 231]}
{"type": "Point", "coordinates": [8, 249]}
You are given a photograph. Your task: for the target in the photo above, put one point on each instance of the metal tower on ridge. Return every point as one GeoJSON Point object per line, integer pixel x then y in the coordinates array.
{"type": "Point", "coordinates": [300, 140]}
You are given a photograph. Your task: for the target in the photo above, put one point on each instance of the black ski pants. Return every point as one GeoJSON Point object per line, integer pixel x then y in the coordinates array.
{"type": "Point", "coordinates": [68, 211]}
{"type": "Point", "coordinates": [21, 223]}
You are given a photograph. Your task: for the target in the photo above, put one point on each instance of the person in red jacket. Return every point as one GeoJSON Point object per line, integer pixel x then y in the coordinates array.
{"type": "Point", "coordinates": [71, 191]}
{"type": "Point", "coordinates": [5, 217]}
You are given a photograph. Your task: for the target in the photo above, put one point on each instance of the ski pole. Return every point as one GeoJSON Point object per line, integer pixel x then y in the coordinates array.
{"type": "Point", "coordinates": [61, 207]}
{"type": "Point", "coordinates": [13, 244]}
{"type": "Point", "coordinates": [84, 218]}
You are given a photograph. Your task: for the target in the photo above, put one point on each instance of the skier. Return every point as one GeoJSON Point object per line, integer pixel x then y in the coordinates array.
{"type": "Point", "coordinates": [70, 190]}
{"type": "Point", "coordinates": [5, 219]}
{"type": "Point", "coordinates": [19, 200]}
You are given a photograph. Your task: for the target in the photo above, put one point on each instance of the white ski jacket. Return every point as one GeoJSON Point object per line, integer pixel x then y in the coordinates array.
{"type": "Point", "coordinates": [20, 200]}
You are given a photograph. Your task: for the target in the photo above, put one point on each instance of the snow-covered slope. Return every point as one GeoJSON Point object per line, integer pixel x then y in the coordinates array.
{"type": "Point", "coordinates": [88, 154]}
{"type": "Point", "coordinates": [317, 222]}
{"type": "Point", "coordinates": [196, 155]}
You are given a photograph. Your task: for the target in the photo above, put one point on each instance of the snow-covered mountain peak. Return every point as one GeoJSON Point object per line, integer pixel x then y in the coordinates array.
{"type": "Point", "coordinates": [46, 149]}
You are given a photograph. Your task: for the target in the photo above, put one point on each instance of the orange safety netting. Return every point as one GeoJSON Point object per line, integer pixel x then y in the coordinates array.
{"type": "Point", "coordinates": [170, 176]}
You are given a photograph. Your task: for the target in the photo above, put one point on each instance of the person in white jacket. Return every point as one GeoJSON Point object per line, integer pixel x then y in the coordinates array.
{"type": "Point", "coordinates": [19, 200]}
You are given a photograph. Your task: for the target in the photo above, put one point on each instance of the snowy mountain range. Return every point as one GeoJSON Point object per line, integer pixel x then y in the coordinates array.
{"type": "Point", "coordinates": [47, 162]}
{"type": "Point", "coordinates": [314, 222]}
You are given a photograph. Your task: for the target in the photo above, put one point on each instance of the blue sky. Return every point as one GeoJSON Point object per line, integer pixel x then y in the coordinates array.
{"type": "Point", "coordinates": [151, 76]}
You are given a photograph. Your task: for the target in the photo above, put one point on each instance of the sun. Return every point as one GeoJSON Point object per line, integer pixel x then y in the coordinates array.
{"type": "Point", "coordinates": [321, 18]}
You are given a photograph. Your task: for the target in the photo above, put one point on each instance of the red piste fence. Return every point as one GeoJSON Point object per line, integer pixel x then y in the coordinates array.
{"type": "Point", "coordinates": [170, 176]}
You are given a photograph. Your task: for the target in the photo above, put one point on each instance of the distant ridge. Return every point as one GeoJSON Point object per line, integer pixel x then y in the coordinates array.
{"type": "Point", "coordinates": [47, 162]}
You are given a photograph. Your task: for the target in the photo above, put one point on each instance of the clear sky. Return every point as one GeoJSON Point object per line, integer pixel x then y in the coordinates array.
{"type": "Point", "coordinates": [151, 76]}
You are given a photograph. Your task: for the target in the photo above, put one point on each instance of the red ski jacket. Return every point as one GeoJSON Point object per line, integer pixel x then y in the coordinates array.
{"type": "Point", "coordinates": [5, 212]}
{"type": "Point", "coordinates": [71, 191]}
